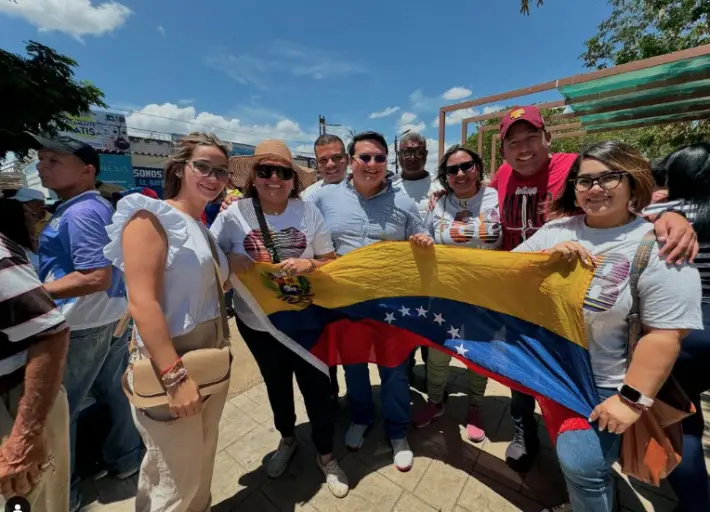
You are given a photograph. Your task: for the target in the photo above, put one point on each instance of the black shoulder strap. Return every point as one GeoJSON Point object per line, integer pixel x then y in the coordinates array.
{"type": "Point", "coordinates": [265, 233]}
{"type": "Point", "coordinates": [641, 257]}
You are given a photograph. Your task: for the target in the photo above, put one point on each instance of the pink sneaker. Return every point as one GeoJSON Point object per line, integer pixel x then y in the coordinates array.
{"type": "Point", "coordinates": [427, 414]}
{"type": "Point", "coordinates": [473, 421]}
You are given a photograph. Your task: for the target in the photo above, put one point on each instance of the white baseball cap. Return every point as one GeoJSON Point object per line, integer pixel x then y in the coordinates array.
{"type": "Point", "coordinates": [25, 195]}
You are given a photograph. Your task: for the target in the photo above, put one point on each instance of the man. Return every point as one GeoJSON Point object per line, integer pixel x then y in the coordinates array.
{"type": "Point", "coordinates": [332, 162]}
{"type": "Point", "coordinates": [359, 211]}
{"type": "Point", "coordinates": [34, 199]}
{"type": "Point", "coordinates": [529, 178]}
{"type": "Point", "coordinates": [416, 183]}
{"type": "Point", "coordinates": [91, 295]}
{"type": "Point", "coordinates": [34, 418]}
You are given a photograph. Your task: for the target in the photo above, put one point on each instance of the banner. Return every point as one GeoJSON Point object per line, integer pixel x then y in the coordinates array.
{"type": "Point", "coordinates": [516, 318]}
{"type": "Point", "coordinates": [116, 169]}
{"type": "Point", "coordinates": [242, 149]}
{"type": "Point", "coordinates": [151, 177]}
{"type": "Point", "coordinates": [104, 131]}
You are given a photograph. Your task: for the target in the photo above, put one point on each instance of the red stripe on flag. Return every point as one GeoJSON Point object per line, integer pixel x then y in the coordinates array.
{"type": "Point", "coordinates": [369, 341]}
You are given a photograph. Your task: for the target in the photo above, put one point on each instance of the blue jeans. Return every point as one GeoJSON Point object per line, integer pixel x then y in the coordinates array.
{"type": "Point", "coordinates": [586, 457]}
{"type": "Point", "coordinates": [95, 363]}
{"type": "Point", "coordinates": [689, 480]}
{"type": "Point", "coordinates": [394, 395]}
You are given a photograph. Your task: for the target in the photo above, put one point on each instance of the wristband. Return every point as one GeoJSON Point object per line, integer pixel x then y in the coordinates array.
{"type": "Point", "coordinates": [672, 210]}
{"type": "Point", "coordinates": [170, 368]}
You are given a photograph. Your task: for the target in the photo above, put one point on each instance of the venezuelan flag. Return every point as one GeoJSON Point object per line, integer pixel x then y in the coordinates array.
{"type": "Point", "coordinates": [516, 318]}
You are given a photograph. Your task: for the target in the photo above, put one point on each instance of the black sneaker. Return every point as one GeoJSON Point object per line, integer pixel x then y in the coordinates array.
{"type": "Point", "coordinates": [522, 450]}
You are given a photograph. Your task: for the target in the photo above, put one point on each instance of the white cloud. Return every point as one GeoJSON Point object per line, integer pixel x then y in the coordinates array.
{"type": "Point", "coordinates": [185, 102]}
{"type": "Point", "coordinates": [492, 108]}
{"type": "Point", "coordinates": [409, 121]}
{"type": "Point", "coordinates": [455, 117]}
{"type": "Point", "coordinates": [77, 18]}
{"type": "Point", "coordinates": [456, 93]}
{"type": "Point", "coordinates": [161, 29]}
{"type": "Point", "coordinates": [282, 56]}
{"type": "Point", "coordinates": [169, 118]}
{"type": "Point", "coordinates": [384, 113]}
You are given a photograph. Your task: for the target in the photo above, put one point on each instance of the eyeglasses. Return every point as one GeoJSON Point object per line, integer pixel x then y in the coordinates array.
{"type": "Point", "coordinates": [466, 167]}
{"type": "Point", "coordinates": [206, 170]}
{"type": "Point", "coordinates": [607, 181]}
{"type": "Point", "coordinates": [365, 158]}
{"type": "Point", "coordinates": [337, 158]}
{"type": "Point", "coordinates": [265, 171]}
{"type": "Point", "coordinates": [411, 152]}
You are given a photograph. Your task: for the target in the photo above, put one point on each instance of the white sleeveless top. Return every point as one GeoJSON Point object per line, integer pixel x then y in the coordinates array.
{"type": "Point", "coordinates": [189, 286]}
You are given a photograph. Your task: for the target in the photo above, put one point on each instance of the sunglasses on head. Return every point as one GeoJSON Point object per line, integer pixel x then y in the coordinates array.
{"type": "Point", "coordinates": [379, 159]}
{"type": "Point", "coordinates": [265, 171]}
{"type": "Point", "coordinates": [466, 167]}
{"type": "Point", "coordinates": [206, 170]}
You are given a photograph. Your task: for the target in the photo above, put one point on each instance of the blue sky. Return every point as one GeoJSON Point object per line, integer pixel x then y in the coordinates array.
{"type": "Point", "coordinates": [257, 69]}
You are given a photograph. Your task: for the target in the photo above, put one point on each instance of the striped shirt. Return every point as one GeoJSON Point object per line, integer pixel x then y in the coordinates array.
{"type": "Point", "coordinates": [27, 312]}
{"type": "Point", "coordinates": [702, 261]}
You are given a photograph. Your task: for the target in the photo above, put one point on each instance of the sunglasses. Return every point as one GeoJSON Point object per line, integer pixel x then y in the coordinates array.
{"type": "Point", "coordinates": [206, 170]}
{"type": "Point", "coordinates": [411, 152]}
{"type": "Point", "coordinates": [337, 158]}
{"type": "Point", "coordinates": [366, 159]}
{"type": "Point", "coordinates": [607, 181]}
{"type": "Point", "coordinates": [466, 167]}
{"type": "Point", "coordinates": [265, 171]}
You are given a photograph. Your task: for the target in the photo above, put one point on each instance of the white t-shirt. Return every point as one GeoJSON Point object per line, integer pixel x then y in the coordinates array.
{"type": "Point", "coordinates": [473, 222]}
{"type": "Point", "coordinates": [189, 286]}
{"type": "Point", "coordinates": [299, 232]}
{"type": "Point", "coordinates": [419, 190]}
{"type": "Point", "coordinates": [669, 295]}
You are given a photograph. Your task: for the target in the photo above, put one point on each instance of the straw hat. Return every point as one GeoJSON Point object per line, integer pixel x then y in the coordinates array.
{"type": "Point", "coordinates": [241, 166]}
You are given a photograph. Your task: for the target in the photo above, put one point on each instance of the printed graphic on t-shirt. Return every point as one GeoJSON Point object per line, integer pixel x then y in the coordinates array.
{"type": "Point", "coordinates": [523, 214]}
{"type": "Point", "coordinates": [289, 242]}
{"type": "Point", "coordinates": [603, 292]}
{"type": "Point", "coordinates": [466, 227]}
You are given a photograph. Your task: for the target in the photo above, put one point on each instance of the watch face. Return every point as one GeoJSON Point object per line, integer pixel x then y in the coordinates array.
{"type": "Point", "coordinates": [630, 393]}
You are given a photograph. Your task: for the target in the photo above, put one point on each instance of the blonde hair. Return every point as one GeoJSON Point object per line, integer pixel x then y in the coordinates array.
{"type": "Point", "coordinates": [185, 147]}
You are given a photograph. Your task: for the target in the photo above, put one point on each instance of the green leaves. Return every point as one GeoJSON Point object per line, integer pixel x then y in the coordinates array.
{"type": "Point", "coordinates": [525, 6]}
{"type": "Point", "coordinates": [38, 92]}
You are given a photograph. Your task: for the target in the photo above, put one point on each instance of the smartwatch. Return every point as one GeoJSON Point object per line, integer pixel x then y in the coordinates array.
{"type": "Point", "coordinates": [635, 397]}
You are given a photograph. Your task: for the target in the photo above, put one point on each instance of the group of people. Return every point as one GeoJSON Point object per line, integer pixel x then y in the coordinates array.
{"type": "Point", "coordinates": [595, 207]}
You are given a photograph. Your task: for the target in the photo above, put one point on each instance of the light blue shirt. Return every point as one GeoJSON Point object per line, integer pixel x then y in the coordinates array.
{"type": "Point", "coordinates": [354, 222]}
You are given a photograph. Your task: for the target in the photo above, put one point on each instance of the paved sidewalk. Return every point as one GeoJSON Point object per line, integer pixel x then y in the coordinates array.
{"type": "Point", "coordinates": [449, 473]}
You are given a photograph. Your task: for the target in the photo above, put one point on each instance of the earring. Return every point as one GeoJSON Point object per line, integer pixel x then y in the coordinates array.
{"type": "Point", "coordinates": [632, 206]}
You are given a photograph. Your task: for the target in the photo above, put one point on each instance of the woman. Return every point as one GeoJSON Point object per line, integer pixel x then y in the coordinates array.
{"type": "Point", "coordinates": [174, 296]}
{"type": "Point", "coordinates": [607, 185]}
{"type": "Point", "coordinates": [467, 216]}
{"type": "Point", "coordinates": [687, 173]}
{"type": "Point", "coordinates": [19, 224]}
{"type": "Point", "coordinates": [300, 243]}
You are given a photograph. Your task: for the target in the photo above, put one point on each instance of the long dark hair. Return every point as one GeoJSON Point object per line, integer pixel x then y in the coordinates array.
{"type": "Point", "coordinates": [688, 179]}
{"type": "Point", "coordinates": [17, 221]}
{"type": "Point", "coordinates": [615, 155]}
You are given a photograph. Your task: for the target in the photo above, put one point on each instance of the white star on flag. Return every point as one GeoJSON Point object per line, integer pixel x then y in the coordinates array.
{"type": "Point", "coordinates": [422, 311]}
{"type": "Point", "coordinates": [439, 318]}
{"type": "Point", "coordinates": [461, 350]}
{"type": "Point", "coordinates": [389, 318]}
{"type": "Point", "coordinates": [453, 332]}
{"type": "Point", "coordinates": [404, 311]}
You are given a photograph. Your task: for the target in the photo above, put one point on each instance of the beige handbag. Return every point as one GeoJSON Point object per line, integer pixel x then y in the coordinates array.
{"type": "Point", "coordinates": [205, 353]}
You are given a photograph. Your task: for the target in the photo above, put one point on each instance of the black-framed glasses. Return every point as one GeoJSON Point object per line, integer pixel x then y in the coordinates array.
{"type": "Point", "coordinates": [265, 171]}
{"type": "Point", "coordinates": [206, 170]}
{"type": "Point", "coordinates": [412, 152]}
{"type": "Point", "coordinates": [466, 167]}
{"type": "Point", "coordinates": [366, 159]}
{"type": "Point", "coordinates": [337, 158]}
{"type": "Point", "coordinates": [606, 181]}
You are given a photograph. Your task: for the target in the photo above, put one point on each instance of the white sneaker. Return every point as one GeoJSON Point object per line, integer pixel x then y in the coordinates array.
{"type": "Point", "coordinates": [355, 436]}
{"type": "Point", "coordinates": [565, 507]}
{"type": "Point", "coordinates": [335, 477]}
{"type": "Point", "coordinates": [278, 462]}
{"type": "Point", "coordinates": [403, 456]}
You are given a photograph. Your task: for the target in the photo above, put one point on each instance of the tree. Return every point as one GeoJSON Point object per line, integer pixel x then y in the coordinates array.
{"type": "Point", "coordinates": [525, 6]}
{"type": "Point", "coordinates": [639, 29]}
{"type": "Point", "coordinates": [38, 92]}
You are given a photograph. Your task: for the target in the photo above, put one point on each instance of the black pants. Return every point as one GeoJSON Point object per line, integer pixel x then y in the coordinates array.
{"type": "Point", "coordinates": [278, 364]}
{"type": "Point", "coordinates": [334, 387]}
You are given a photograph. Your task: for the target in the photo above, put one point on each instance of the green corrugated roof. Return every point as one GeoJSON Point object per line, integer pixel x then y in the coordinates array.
{"type": "Point", "coordinates": [669, 91]}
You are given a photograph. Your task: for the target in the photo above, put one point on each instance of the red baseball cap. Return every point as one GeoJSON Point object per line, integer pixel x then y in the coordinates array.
{"type": "Point", "coordinates": [529, 114]}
